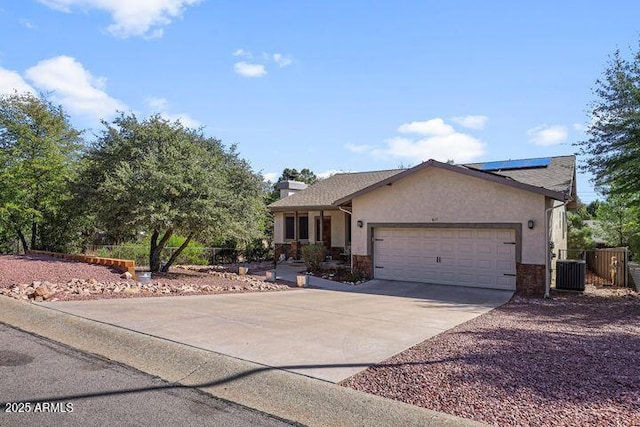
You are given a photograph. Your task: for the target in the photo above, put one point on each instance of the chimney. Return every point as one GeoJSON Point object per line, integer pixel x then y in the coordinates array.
{"type": "Point", "coordinates": [288, 188]}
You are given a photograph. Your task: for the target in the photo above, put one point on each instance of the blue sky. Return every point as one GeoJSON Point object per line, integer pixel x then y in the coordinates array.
{"type": "Point", "coordinates": [328, 85]}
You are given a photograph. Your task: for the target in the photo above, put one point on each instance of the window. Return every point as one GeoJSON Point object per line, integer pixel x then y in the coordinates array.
{"type": "Point", "coordinates": [289, 231]}
{"type": "Point", "coordinates": [289, 228]}
{"type": "Point", "coordinates": [303, 228]}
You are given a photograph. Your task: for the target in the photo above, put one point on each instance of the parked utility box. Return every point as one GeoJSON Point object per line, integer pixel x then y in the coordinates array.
{"type": "Point", "coordinates": [571, 274]}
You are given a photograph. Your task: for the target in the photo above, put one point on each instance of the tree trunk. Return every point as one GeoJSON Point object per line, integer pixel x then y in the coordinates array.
{"type": "Point", "coordinates": [156, 249]}
{"type": "Point", "coordinates": [34, 230]}
{"type": "Point", "coordinates": [175, 255]}
{"type": "Point", "coordinates": [154, 259]}
{"type": "Point", "coordinates": [25, 246]}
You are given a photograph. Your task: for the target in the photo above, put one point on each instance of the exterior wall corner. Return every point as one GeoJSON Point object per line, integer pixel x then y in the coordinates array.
{"type": "Point", "coordinates": [530, 279]}
{"type": "Point", "coordinates": [362, 264]}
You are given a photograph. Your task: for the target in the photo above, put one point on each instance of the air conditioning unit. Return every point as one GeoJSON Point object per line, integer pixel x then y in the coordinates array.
{"type": "Point", "coordinates": [571, 274]}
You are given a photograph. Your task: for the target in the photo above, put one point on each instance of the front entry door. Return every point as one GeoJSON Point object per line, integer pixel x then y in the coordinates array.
{"type": "Point", "coordinates": [326, 231]}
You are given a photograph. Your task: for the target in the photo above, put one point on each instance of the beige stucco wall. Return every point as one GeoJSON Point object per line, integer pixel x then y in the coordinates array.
{"type": "Point", "coordinates": [435, 195]}
{"type": "Point", "coordinates": [557, 232]}
{"type": "Point", "coordinates": [558, 227]}
{"type": "Point", "coordinates": [278, 227]}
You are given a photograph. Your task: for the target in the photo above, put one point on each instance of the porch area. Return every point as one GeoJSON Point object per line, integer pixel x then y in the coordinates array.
{"type": "Point", "coordinates": [328, 228]}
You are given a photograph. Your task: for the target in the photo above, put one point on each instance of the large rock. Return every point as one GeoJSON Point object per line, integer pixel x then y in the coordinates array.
{"type": "Point", "coordinates": [131, 291]}
{"type": "Point", "coordinates": [126, 275]}
{"type": "Point", "coordinates": [42, 292]}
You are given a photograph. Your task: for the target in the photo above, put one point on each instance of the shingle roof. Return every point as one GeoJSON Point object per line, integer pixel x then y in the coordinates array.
{"type": "Point", "coordinates": [325, 192]}
{"type": "Point", "coordinates": [557, 176]}
{"type": "Point", "coordinates": [553, 180]}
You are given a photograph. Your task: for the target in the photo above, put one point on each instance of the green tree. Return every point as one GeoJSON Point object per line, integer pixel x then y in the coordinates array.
{"type": "Point", "coordinates": [38, 153]}
{"type": "Point", "coordinates": [579, 234]}
{"type": "Point", "coordinates": [592, 208]}
{"type": "Point", "coordinates": [620, 221]}
{"type": "Point", "coordinates": [304, 175]}
{"type": "Point", "coordinates": [290, 174]}
{"type": "Point", "coordinates": [160, 177]}
{"type": "Point", "coordinates": [613, 144]}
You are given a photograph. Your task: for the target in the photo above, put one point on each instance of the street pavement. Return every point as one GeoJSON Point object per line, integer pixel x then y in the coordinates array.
{"type": "Point", "coordinates": [55, 385]}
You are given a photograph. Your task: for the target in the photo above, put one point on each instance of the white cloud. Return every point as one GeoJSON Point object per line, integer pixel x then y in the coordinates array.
{"type": "Point", "coordinates": [545, 135]}
{"type": "Point", "coordinates": [438, 140]}
{"type": "Point", "coordinates": [257, 67]}
{"type": "Point", "coordinates": [157, 104]}
{"type": "Point", "coordinates": [249, 70]}
{"type": "Point", "coordinates": [471, 122]}
{"type": "Point", "coordinates": [183, 118]}
{"type": "Point", "coordinates": [428, 127]}
{"type": "Point", "coordinates": [161, 106]}
{"type": "Point", "coordinates": [458, 147]}
{"type": "Point", "coordinates": [281, 60]}
{"type": "Point", "coordinates": [74, 87]}
{"type": "Point", "coordinates": [131, 17]}
{"type": "Point", "coordinates": [579, 127]}
{"type": "Point", "coordinates": [11, 81]}
{"type": "Point", "coordinates": [327, 174]}
{"type": "Point", "coordinates": [241, 52]}
{"type": "Point", "coordinates": [270, 176]}
{"type": "Point", "coordinates": [357, 148]}
{"type": "Point", "coordinates": [28, 24]}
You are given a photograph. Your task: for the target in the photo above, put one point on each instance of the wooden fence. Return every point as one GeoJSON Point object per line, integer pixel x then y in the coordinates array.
{"type": "Point", "coordinates": [604, 266]}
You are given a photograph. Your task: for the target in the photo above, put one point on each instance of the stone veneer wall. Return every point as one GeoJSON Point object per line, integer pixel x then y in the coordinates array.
{"type": "Point", "coordinates": [295, 249]}
{"type": "Point", "coordinates": [363, 264]}
{"type": "Point", "coordinates": [530, 278]}
{"type": "Point", "coordinates": [282, 248]}
{"type": "Point", "coordinates": [291, 249]}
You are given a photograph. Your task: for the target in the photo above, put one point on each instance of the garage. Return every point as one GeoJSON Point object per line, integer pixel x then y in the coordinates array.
{"type": "Point", "coordinates": [477, 257]}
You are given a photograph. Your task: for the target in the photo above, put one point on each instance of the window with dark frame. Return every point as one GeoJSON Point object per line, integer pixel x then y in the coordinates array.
{"type": "Point", "coordinates": [303, 227]}
{"type": "Point", "coordinates": [289, 228]}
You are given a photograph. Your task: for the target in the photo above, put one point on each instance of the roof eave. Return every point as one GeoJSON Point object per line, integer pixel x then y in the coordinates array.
{"type": "Point", "coordinates": [558, 195]}
{"type": "Point", "coordinates": [302, 208]}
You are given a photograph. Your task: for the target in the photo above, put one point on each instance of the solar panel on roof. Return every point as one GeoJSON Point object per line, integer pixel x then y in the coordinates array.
{"type": "Point", "coordinates": [516, 164]}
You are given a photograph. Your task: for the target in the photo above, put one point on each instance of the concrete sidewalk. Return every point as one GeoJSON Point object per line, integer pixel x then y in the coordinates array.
{"type": "Point", "coordinates": [290, 396]}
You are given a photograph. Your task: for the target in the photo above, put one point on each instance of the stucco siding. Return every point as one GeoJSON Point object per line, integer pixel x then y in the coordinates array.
{"type": "Point", "coordinates": [435, 195]}
{"type": "Point", "coordinates": [278, 227]}
{"type": "Point", "coordinates": [557, 232]}
{"type": "Point", "coordinates": [312, 225]}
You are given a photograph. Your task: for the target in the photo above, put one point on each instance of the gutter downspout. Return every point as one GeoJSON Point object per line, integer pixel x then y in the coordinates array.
{"type": "Point", "coordinates": [340, 208]}
{"type": "Point", "coordinates": [547, 257]}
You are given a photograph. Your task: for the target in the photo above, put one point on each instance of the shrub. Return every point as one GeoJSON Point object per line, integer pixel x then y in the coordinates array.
{"type": "Point", "coordinates": [313, 255]}
{"type": "Point", "coordinates": [352, 276]}
{"type": "Point", "coordinates": [257, 251]}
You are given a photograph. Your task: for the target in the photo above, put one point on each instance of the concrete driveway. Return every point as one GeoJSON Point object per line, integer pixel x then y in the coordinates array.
{"type": "Point", "coordinates": [322, 333]}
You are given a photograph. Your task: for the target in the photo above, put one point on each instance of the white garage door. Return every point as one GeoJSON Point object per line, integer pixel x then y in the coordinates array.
{"type": "Point", "coordinates": [452, 256]}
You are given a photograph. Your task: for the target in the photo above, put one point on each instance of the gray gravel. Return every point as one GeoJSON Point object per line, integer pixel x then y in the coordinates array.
{"type": "Point", "coordinates": [573, 360]}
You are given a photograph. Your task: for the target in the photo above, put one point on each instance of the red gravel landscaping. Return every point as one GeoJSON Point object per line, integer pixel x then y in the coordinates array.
{"type": "Point", "coordinates": [60, 280]}
{"type": "Point", "coordinates": [570, 361]}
